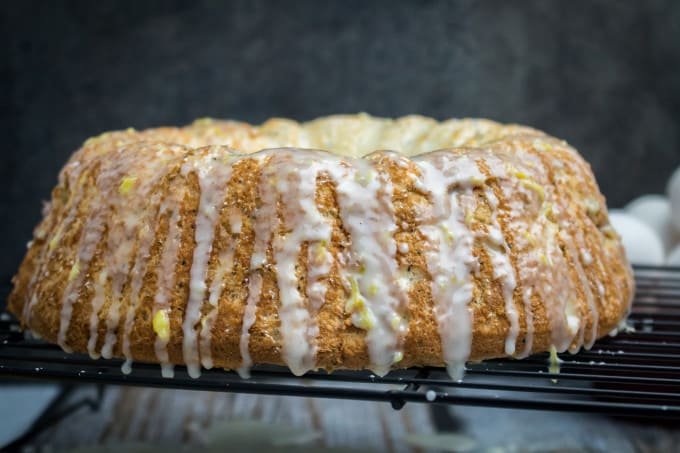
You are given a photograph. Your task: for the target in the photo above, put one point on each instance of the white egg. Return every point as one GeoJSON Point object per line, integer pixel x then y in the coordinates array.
{"type": "Point", "coordinates": [655, 211]}
{"type": "Point", "coordinates": [642, 243]}
{"type": "Point", "coordinates": [673, 191]}
{"type": "Point", "coordinates": [673, 258]}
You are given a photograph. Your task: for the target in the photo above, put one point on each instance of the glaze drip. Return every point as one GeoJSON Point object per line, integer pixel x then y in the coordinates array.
{"type": "Point", "coordinates": [225, 263]}
{"type": "Point", "coordinates": [171, 208]}
{"type": "Point", "coordinates": [213, 170]}
{"type": "Point", "coordinates": [124, 236]}
{"type": "Point", "coordinates": [450, 260]}
{"type": "Point", "coordinates": [54, 242]}
{"type": "Point", "coordinates": [91, 234]}
{"type": "Point", "coordinates": [559, 287]}
{"type": "Point", "coordinates": [498, 251]}
{"type": "Point", "coordinates": [524, 224]}
{"type": "Point", "coordinates": [290, 177]}
{"type": "Point", "coordinates": [376, 301]}
{"type": "Point", "coordinates": [145, 236]}
{"type": "Point", "coordinates": [263, 223]}
{"type": "Point", "coordinates": [293, 174]}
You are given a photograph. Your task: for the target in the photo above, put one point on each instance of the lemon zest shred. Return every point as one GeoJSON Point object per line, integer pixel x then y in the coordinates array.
{"type": "Point", "coordinates": [161, 325]}
{"type": "Point", "coordinates": [75, 270]}
{"type": "Point", "coordinates": [320, 250]}
{"type": "Point", "coordinates": [395, 322]}
{"type": "Point", "coordinates": [531, 184]}
{"type": "Point", "coordinates": [373, 290]}
{"type": "Point", "coordinates": [363, 319]}
{"type": "Point", "coordinates": [55, 240]}
{"type": "Point", "coordinates": [555, 361]}
{"type": "Point", "coordinates": [127, 184]}
{"type": "Point", "coordinates": [468, 216]}
{"type": "Point", "coordinates": [477, 181]}
{"type": "Point", "coordinates": [354, 296]}
{"type": "Point", "coordinates": [447, 233]}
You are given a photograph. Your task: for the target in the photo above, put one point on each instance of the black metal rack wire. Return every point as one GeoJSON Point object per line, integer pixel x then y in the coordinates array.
{"type": "Point", "coordinates": [634, 374]}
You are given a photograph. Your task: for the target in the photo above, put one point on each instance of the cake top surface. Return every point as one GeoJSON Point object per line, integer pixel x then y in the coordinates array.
{"type": "Point", "coordinates": [344, 135]}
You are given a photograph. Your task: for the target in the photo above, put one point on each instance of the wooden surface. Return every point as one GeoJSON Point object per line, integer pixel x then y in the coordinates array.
{"type": "Point", "coordinates": [144, 419]}
{"type": "Point", "coordinates": [172, 417]}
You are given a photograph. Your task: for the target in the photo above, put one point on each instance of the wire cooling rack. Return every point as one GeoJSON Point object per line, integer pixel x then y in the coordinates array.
{"type": "Point", "coordinates": [635, 374]}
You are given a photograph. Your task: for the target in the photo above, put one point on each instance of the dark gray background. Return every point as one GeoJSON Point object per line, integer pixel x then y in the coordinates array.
{"type": "Point", "coordinates": [604, 75]}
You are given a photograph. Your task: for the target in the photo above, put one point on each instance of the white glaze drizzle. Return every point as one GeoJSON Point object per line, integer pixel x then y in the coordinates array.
{"type": "Point", "coordinates": [235, 221]}
{"type": "Point", "coordinates": [225, 263]}
{"type": "Point", "coordinates": [293, 175]}
{"type": "Point", "coordinates": [568, 240]}
{"type": "Point", "coordinates": [586, 257]}
{"type": "Point", "coordinates": [145, 239]}
{"type": "Point", "coordinates": [249, 316]}
{"type": "Point", "coordinates": [573, 240]}
{"type": "Point", "coordinates": [580, 169]}
{"type": "Point", "coordinates": [449, 257]}
{"type": "Point", "coordinates": [166, 268]}
{"type": "Point", "coordinates": [562, 311]}
{"type": "Point", "coordinates": [290, 175]}
{"type": "Point", "coordinates": [120, 252]}
{"type": "Point", "coordinates": [499, 254]}
{"type": "Point", "coordinates": [556, 286]}
{"type": "Point", "coordinates": [582, 258]}
{"type": "Point", "coordinates": [379, 266]}
{"type": "Point", "coordinates": [97, 302]}
{"type": "Point", "coordinates": [262, 230]}
{"type": "Point", "coordinates": [365, 199]}
{"type": "Point", "coordinates": [122, 235]}
{"type": "Point", "coordinates": [128, 243]}
{"type": "Point", "coordinates": [53, 243]}
{"type": "Point", "coordinates": [213, 170]}
{"type": "Point", "coordinates": [90, 236]}
{"type": "Point", "coordinates": [526, 234]}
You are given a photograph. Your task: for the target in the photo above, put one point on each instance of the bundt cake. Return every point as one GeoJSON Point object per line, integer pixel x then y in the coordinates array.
{"type": "Point", "coordinates": [346, 242]}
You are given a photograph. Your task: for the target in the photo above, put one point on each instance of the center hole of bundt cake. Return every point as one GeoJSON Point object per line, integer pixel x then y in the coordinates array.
{"type": "Point", "coordinates": [353, 135]}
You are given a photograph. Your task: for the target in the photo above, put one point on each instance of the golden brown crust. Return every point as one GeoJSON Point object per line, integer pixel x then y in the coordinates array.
{"type": "Point", "coordinates": [45, 272]}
